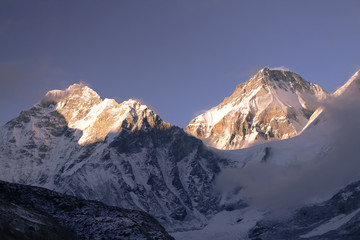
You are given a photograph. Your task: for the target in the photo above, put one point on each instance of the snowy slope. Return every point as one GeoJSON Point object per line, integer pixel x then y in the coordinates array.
{"type": "Point", "coordinates": [353, 84]}
{"type": "Point", "coordinates": [125, 155]}
{"type": "Point", "coordinates": [332, 130]}
{"type": "Point", "coordinates": [121, 154]}
{"type": "Point", "coordinates": [225, 225]}
{"type": "Point", "coordinates": [345, 95]}
{"type": "Point", "coordinates": [336, 218]}
{"type": "Point", "coordinates": [276, 178]}
{"type": "Point", "coordinates": [273, 104]}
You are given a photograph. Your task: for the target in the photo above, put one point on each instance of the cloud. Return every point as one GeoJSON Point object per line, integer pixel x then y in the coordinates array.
{"type": "Point", "coordinates": [282, 68]}
{"type": "Point", "coordinates": [200, 112]}
{"type": "Point", "coordinates": [284, 188]}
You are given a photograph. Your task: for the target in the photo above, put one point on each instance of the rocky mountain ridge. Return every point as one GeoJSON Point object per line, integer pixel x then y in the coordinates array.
{"type": "Point", "coordinates": [84, 110]}
{"type": "Point", "coordinates": [273, 104]}
{"type": "Point", "coordinates": [123, 154]}
{"type": "Point", "coordinates": [295, 188]}
{"type": "Point", "coordinates": [37, 213]}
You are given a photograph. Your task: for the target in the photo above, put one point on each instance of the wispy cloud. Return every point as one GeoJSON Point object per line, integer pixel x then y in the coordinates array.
{"type": "Point", "coordinates": [283, 68]}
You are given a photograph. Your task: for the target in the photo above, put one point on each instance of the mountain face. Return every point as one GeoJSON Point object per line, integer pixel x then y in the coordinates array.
{"type": "Point", "coordinates": [83, 109]}
{"type": "Point", "coordinates": [123, 154]}
{"type": "Point", "coordinates": [273, 104]}
{"type": "Point", "coordinates": [336, 218]}
{"type": "Point", "coordinates": [296, 188]}
{"type": "Point", "coordinates": [37, 213]}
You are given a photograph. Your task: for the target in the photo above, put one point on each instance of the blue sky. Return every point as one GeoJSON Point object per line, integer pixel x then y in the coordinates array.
{"type": "Point", "coordinates": [178, 57]}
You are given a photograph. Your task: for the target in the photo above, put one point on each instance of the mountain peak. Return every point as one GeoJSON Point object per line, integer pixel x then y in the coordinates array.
{"type": "Point", "coordinates": [267, 76]}
{"type": "Point", "coordinates": [135, 103]}
{"type": "Point", "coordinates": [352, 83]}
{"type": "Point", "coordinates": [83, 109]}
{"type": "Point", "coordinates": [276, 69]}
{"type": "Point", "coordinates": [284, 79]}
{"type": "Point", "coordinates": [77, 90]}
{"type": "Point", "coordinates": [265, 69]}
{"type": "Point", "coordinates": [273, 104]}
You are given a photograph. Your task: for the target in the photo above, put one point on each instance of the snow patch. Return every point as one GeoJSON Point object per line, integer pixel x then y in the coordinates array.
{"type": "Point", "coordinates": [331, 225]}
{"type": "Point", "coordinates": [224, 225]}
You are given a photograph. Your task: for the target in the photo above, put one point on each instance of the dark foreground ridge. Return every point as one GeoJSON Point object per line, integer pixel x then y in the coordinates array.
{"type": "Point", "coordinates": [35, 213]}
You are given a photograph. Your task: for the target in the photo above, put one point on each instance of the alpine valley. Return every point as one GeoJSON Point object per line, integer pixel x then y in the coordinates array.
{"type": "Point", "coordinates": [278, 159]}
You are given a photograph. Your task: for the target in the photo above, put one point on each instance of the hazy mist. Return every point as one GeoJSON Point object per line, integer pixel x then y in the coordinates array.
{"type": "Point", "coordinates": [286, 187]}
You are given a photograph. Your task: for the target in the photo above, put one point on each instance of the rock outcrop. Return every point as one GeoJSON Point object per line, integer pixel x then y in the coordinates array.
{"type": "Point", "coordinates": [36, 213]}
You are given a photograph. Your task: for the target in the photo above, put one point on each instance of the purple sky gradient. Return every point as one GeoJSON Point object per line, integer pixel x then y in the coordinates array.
{"type": "Point", "coordinates": [178, 57]}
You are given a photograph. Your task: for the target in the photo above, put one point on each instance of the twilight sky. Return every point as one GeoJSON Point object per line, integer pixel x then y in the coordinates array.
{"type": "Point", "coordinates": [178, 57]}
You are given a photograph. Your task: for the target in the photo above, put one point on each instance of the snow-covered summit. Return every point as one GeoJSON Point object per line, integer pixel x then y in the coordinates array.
{"type": "Point", "coordinates": [78, 90]}
{"type": "Point", "coordinates": [273, 104]}
{"type": "Point", "coordinates": [347, 94]}
{"type": "Point", "coordinates": [352, 83]}
{"type": "Point", "coordinates": [84, 110]}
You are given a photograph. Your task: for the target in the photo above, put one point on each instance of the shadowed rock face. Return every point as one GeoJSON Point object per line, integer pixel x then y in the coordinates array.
{"type": "Point", "coordinates": [123, 155]}
{"type": "Point", "coordinates": [36, 213]}
{"type": "Point", "coordinates": [19, 223]}
{"type": "Point", "coordinates": [273, 104]}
